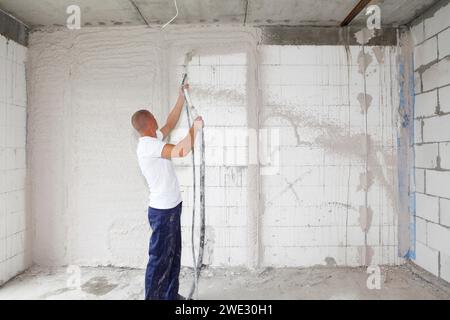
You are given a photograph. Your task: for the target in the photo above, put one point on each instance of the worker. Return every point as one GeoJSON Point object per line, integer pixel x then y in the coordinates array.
{"type": "Point", "coordinates": [165, 203]}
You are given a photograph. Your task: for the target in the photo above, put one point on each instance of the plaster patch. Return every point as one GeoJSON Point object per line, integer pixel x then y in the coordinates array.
{"type": "Point", "coordinates": [365, 101]}
{"type": "Point", "coordinates": [365, 218]}
{"type": "Point", "coordinates": [364, 36]}
{"type": "Point", "coordinates": [364, 60]}
{"type": "Point", "coordinates": [366, 255]}
{"type": "Point", "coordinates": [379, 53]}
{"type": "Point", "coordinates": [366, 180]}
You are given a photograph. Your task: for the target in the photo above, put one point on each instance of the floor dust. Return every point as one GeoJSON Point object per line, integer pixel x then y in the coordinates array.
{"type": "Point", "coordinates": [98, 286]}
{"type": "Point", "coordinates": [269, 283]}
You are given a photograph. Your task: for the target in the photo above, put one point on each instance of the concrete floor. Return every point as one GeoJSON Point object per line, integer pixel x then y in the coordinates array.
{"type": "Point", "coordinates": [293, 283]}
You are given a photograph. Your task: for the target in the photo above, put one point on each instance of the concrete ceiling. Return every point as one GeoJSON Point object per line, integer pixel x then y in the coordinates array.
{"type": "Point", "coordinates": [47, 13]}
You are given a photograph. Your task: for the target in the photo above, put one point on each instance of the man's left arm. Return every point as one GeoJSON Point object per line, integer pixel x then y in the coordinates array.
{"type": "Point", "coordinates": [174, 114]}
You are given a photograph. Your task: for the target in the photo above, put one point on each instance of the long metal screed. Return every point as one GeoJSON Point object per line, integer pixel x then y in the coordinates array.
{"type": "Point", "coordinates": [192, 112]}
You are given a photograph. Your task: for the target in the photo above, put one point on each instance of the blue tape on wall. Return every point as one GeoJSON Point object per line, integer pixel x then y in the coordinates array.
{"type": "Point", "coordinates": [406, 157]}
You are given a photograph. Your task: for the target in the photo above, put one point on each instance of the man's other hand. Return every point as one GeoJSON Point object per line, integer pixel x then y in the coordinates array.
{"type": "Point", "coordinates": [184, 86]}
{"type": "Point", "coordinates": [198, 123]}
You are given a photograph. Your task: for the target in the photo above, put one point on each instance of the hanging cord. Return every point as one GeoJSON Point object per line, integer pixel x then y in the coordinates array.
{"type": "Point", "coordinates": [201, 250]}
{"type": "Point", "coordinates": [190, 111]}
{"type": "Point", "coordinates": [176, 15]}
{"type": "Point", "coordinates": [188, 115]}
{"type": "Point", "coordinates": [202, 210]}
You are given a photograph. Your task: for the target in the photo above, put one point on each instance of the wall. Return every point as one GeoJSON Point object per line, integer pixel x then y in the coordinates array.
{"type": "Point", "coordinates": [14, 219]}
{"type": "Point", "coordinates": [220, 91]}
{"type": "Point", "coordinates": [328, 194]}
{"type": "Point", "coordinates": [333, 200]}
{"type": "Point", "coordinates": [221, 73]}
{"type": "Point", "coordinates": [431, 34]}
{"type": "Point", "coordinates": [87, 188]}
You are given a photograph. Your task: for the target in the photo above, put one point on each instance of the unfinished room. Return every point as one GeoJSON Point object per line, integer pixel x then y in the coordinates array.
{"type": "Point", "coordinates": [225, 150]}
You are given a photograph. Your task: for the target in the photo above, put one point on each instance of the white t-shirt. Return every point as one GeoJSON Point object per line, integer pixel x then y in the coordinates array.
{"type": "Point", "coordinates": [159, 173]}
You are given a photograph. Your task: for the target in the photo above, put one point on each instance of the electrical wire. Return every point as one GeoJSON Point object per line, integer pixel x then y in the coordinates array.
{"type": "Point", "coordinates": [174, 17]}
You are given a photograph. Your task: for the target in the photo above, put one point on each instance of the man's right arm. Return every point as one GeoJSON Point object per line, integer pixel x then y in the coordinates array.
{"type": "Point", "coordinates": [182, 148]}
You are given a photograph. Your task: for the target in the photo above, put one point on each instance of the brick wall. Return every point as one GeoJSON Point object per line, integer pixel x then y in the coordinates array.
{"type": "Point", "coordinates": [14, 229]}
{"type": "Point", "coordinates": [431, 35]}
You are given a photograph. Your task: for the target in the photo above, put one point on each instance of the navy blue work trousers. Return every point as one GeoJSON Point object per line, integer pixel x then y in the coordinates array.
{"type": "Point", "coordinates": [163, 267]}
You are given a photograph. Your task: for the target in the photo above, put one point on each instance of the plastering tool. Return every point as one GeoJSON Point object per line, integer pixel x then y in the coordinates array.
{"type": "Point", "coordinates": [193, 112]}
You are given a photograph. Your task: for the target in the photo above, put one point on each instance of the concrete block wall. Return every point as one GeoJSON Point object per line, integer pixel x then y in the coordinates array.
{"type": "Point", "coordinates": [431, 34]}
{"type": "Point", "coordinates": [219, 90]}
{"type": "Point", "coordinates": [15, 229]}
{"type": "Point", "coordinates": [314, 207]}
{"type": "Point", "coordinates": [319, 203]}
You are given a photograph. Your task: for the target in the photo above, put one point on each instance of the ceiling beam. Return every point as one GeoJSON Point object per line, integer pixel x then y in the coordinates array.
{"type": "Point", "coordinates": [355, 11]}
{"type": "Point", "coordinates": [13, 29]}
{"type": "Point", "coordinates": [323, 36]}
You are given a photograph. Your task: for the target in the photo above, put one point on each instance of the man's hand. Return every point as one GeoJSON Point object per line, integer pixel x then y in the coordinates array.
{"type": "Point", "coordinates": [184, 86]}
{"type": "Point", "coordinates": [182, 148]}
{"type": "Point", "coordinates": [198, 123]}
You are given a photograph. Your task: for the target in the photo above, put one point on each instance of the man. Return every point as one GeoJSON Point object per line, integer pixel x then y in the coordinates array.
{"type": "Point", "coordinates": [154, 156]}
